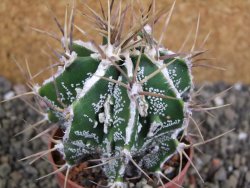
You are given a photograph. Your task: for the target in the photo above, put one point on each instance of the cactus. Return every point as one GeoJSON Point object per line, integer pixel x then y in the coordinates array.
{"type": "Point", "coordinates": [125, 102]}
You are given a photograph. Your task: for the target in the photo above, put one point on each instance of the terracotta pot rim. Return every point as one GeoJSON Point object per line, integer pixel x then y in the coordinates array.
{"type": "Point", "coordinates": [176, 179]}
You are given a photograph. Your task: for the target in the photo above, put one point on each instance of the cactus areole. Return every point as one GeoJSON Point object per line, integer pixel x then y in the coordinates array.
{"type": "Point", "coordinates": [125, 101]}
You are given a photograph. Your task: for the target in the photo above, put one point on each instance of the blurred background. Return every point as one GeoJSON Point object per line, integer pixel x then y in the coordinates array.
{"type": "Point", "coordinates": [222, 163]}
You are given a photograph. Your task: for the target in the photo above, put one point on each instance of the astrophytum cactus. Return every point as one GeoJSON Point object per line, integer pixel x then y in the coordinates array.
{"type": "Point", "coordinates": [125, 102]}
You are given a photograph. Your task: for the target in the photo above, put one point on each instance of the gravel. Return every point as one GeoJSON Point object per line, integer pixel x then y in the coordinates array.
{"type": "Point", "coordinates": [223, 163]}
{"type": "Point", "coordinates": [15, 173]}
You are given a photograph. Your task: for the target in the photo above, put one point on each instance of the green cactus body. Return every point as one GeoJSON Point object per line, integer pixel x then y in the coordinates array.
{"type": "Point", "coordinates": [110, 120]}
{"type": "Point", "coordinates": [120, 118]}
{"type": "Point", "coordinates": [65, 85]}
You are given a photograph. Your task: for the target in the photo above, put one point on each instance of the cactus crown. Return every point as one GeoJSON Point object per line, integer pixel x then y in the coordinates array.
{"type": "Point", "coordinates": [125, 102]}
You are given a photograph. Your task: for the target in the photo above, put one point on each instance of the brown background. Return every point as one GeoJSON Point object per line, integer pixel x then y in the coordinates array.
{"type": "Point", "coordinates": [227, 20]}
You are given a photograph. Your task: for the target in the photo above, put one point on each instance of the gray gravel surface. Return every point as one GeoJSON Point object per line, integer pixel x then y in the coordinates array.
{"type": "Point", "coordinates": [13, 173]}
{"type": "Point", "coordinates": [222, 163]}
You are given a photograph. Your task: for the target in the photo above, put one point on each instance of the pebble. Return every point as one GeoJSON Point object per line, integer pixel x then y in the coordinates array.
{"type": "Point", "coordinates": [230, 114]}
{"type": "Point", "coordinates": [32, 185]}
{"type": "Point", "coordinates": [26, 151]}
{"type": "Point", "coordinates": [147, 186]}
{"type": "Point", "coordinates": [218, 101]}
{"type": "Point", "coordinates": [3, 182]}
{"type": "Point", "coordinates": [237, 160]}
{"type": "Point", "coordinates": [5, 123]}
{"type": "Point", "coordinates": [31, 171]}
{"type": "Point", "coordinates": [211, 122]}
{"type": "Point", "coordinates": [216, 163]}
{"type": "Point", "coordinates": [14, 173]}
{"type": "Point", "coordinates": [210, 185]}
{"type": "Point", "coordinates": [2, 113]}
{"type": "Point", "coordinates": [141, 183]}
{"type": "Point", "coordinates": [229, 166]}
{"type": "Point", "coordinates": [12, 183]}
{"type": "Point", "coordinates": [205, 158]}
{"type": "Point", "coordinates": [5, 169]}
{"type": "Point", "coordinates": [248, 177]}
{"type": "Point", "coordinates": [131, 184]}
{"type": "Point", "coordinates": [16, 176]}
{"type": "Point", "coordinates": [236, 173]}
{"type": "Point", "coordinates": [232, 181]}
{"type": "Point", "coordinates": [221, 174]}
{"type": "Point", "coordinates": [5, 85]}
{"type": "Point", "coordinates": [8, 95]}
{"type": "Point", "coordinates": [4, 159]}
{"type": "Point", "coordinates": [242, 136]}
{"type": "Point", "coordinates": [238, 86]}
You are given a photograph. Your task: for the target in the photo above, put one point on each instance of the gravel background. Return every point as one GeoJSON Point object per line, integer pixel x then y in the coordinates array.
{"type": "Point", "coordinates": [222, 163]}
{"type": "Point", "coordinates": [13, 173]}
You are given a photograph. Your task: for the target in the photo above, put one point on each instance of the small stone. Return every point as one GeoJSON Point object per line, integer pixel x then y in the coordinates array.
{"type": "Point", "coordinates": [169, 170]}
{"type": "Point", "coordinates": [233, 137]}
{"type": "Point", "coordinates": [232, 182]}
{"type": "Point", "coordinates": [12, 183]}
{"type": "Point", "coordinates": [5, 123]}
{"type": "Point", "coordinates": [206, 159]}
{"type": "Point", "coordinates": [218, 101]}
{"type": "Point", "coordinates": [17, 145]}
{"type": "Point", "coordinates": [4, 159]}
{"type": "Point", "coordinates": [141, 183]}
{"type": "Point", "coordinates": [199, 164]}
{"type": "Point", "coordinates": [230, 114]}
{"type": "Point", "coordinates": [8, 95]}
{"type": "Point", "coordinates": [236, 173]}
{"type": "Point", "coordinates": [216, 163]}
{"type": "Point", "coordinates": [31, 171]}
{"type": "Point", "coordinates": [16, 176]}
{"type": "Point", "coordinates": [144, 181]}
{"type": "Point", "coordinates": [32, 185]}
{"type": "Point", "coordinates": [8, 106]}
{"type": "Point", "coordinates": [5, 85]}
{"type": "Point", "coordinates": [27, 134]}
{"type": "Point", "coordinates": [221, 174]}
{"type": "Point", "coordinates": [243, 161]}
{"type": "Point", "coordinates": [131, 185]}
{"type": "Point", "coordinates": [23, 183]}
{"type": "Point", "coordinates": [147, 186]}
{"type": "Point", "coordinates": [238, 86]}
{"type": "Point", "coordinates": [2, 113]}
{"type": "Point", "coordinates": [26, 151]}
{"type": "Point", "coordinates": [237, 161]}
{"type": "Point", "coordinates": [37, 144]}
{"type": "Point", "coordinates": [211, 185]}
{"type": "Point", "coordinates": [3, 182]}
{"type": "Point", "coordinates": [20, 89]}
{"type": "Point", "coordinates": [248, 177]}
{"type": "Point", "coordinates": [211, 121]}
{"type": "Point", "coordinates": [230, 168]}
{"type": "Point", "coordinates": [5, 169]}
{"type": "Point", "coordinates": [242, 136]}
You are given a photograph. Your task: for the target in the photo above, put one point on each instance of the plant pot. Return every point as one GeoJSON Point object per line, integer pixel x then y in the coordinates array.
{"type": "Point", "coordinates": [70, 184]}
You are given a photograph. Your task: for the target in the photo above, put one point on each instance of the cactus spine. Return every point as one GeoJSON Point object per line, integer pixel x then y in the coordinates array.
{"type": "Point", "coordinates": [125, 101]}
